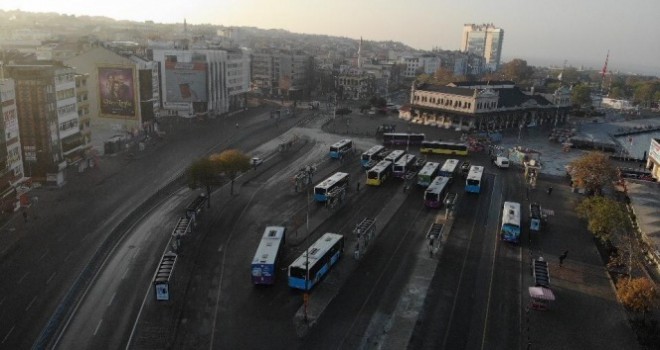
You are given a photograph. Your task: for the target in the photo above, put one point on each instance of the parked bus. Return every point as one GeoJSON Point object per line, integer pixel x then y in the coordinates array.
{"type": "Point", "coordinates": [449, 169]}
{"type": "Point", "coordinates": [370, 154]}
{"type": "Point", "coordinates": [402, 139]}
{"type": "Point", "coordinates": [440, 147]}
{"type": "Point", "coordinates": [341, 147]}
{"type": "Point", "coordinates": [395, 155]}
{"type": "Point", "coordinates": [510, 231]}
{"type": "Point", "coordinates": [428, 173]}
{"type": "Point", "coordinates": [321, 190]}
{"type": "Point", "coordinates": [314, 263]}
{"type": "Point", "coordinates": [435, 193]}
{"type": "Point", "coordinates": [473, 181]}
{"type": "Point", "coordinates": [379, 173]}
{"type": "Point", "coordinates": [265, 259]}
{"type": "Point", "coordinates": [406, 163]}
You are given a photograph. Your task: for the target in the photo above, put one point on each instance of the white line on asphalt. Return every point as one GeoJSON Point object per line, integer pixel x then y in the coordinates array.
{"type": "Point", "coordinates": [124, 274]}
{"type": "Point", "coordinates": [30, 304]}
{"type": "Point", "coordinates": [136, 253]}
{"type": "Point", "coordinates": [22, 278]}
{"type": "Point", "coordinates": [112, 298]}
{"type": "Point", "coordinates": [68, 256]}
{"type": "Point", "coordinates": [98, 326]}
{"type": "Point", "coordinates": [43, 255]}
{"type": "Point", "coordinates": [220, 248]}
{"type": "Point", "coordinates": [8, 333]}
{"type": "Point", "coordinates": [51, 277]}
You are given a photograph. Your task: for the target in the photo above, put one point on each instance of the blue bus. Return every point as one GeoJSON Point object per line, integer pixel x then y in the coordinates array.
{"type": "Point", "coordinates": [435, 193]}
{"type": "Point", "coordinates": [405, 163]}
{"type": "Point", "coordinates": [341, 147]}
{"type": "Point", "coordinates": [265, 259]}
{"type": "Point", "coordinates": [510, 231]}
{"type": "Point", "coordinates": [428, 173]}
{"type": "Point", "coordinates": [321, 190]}
{"type": "Point", "coordinates": [314, 263]}
{"type": "Point", "coordinates": [473, 181]}
{"type": "Point", "coordinates": [370, 154]}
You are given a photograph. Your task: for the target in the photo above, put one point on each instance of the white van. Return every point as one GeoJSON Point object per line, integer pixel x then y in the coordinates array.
{"type": "Point", "coordinates": [502, 162]}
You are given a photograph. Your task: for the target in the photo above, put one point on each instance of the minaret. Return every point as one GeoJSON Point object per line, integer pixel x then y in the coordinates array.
{"type": "Point", "coordinates": [359, 62]}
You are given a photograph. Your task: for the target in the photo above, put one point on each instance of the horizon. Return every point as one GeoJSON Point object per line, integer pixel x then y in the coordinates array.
{"type": "Point", "coordinates": [586, 47]}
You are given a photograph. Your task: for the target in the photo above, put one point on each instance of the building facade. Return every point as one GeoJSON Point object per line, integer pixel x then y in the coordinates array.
{"type": "Point", "coordinates": [280, 73]}
{"type": "Point", "coordinates": [11, 158]}
{"type": "Point", "coordinates": [359, 86]}
{"type": "Point", "coordinates": [484, 40]}
{"type": "Point", "coordinates": [48, 119]}
{"type": "Point", "coordinates": [653, 160]}
{"type": "Point", "coordinates": [484, 106]}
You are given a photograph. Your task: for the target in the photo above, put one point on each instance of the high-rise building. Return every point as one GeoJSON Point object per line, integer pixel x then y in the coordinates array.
{"type": "Point", "coordinates": [483, 40]}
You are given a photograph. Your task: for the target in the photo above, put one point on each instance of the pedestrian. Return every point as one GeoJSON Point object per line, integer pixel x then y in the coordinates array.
{"type": "Point", "coordinates": [562, 257]}
{"type": "Point", "coordinates": [550, 190]}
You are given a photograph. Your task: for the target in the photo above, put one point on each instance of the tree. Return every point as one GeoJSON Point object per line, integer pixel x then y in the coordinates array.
{"type": "Point", "coordinates": [231, 162]}
{"type": "Point", "coordinates": [637, 294]}
{"type": "Point", "coordinates": [517, 70]}
{"type": "Point", "coordinates": [444, 76]}
{"type": "Point", "coordinates": [284, 84]}
{"type": "Point", "coordinates": [605, 217]}
{"type": "Point", "coordinates": [581, 95]}
{"type": "Point", "coordinates": [592, 172]}
{"type": "Point", "coordinates": [644, 93]}
{"type": "Point", "coordinates": [203, 173]}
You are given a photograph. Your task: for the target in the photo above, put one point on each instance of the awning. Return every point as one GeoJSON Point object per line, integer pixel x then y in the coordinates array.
{"type": "Point", "coordinates": [541, 293]}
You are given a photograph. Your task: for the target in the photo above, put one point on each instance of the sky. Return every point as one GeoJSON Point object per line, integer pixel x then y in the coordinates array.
{"type": "Point", "coordinates": [578, 32]}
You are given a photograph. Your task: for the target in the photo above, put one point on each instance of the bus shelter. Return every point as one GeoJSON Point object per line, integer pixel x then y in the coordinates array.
{"type": "Point", "coordinates": [163, 277]}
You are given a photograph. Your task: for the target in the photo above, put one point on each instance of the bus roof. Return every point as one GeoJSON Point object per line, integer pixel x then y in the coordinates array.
{"type": "Point", "coordinates": [395, 154]}
{"type": "Point", "coordinates": [269, 245]}
{"type": "Point", "coordinates": [438, 184]}
{"type": "Point", "coordinates": [407, 158]}
{"type": "Point", "coordinates": [511, 213]}
{"type": "Point", "coordinates": [382, 165]}
{"type": "Point", "coordinates": [317, 250]}
{"type": "Point", "coordinates": [331, 180]}
{"type": "Point", "coordinates": [429, 168]}
{"type": "Point", "coordinates": [373, 150]}
{"type": "Point", "coordinates": [450, 165]}
{"type": "Point", "coordinates": [476, 171]}
{"type": "Point", "coordinates": [341, 143]}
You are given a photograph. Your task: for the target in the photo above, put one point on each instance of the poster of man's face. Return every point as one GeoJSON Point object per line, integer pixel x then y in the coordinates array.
{"type": "Point", "coordinates": [117, 92]}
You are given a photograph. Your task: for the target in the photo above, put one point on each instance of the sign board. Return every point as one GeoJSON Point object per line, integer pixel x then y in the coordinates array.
{"type": "Point", "coordinates": [162, 291]}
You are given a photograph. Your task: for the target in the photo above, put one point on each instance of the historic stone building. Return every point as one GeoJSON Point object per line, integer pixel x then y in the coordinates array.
{"type": "Point", "coordinates": [492, 105]}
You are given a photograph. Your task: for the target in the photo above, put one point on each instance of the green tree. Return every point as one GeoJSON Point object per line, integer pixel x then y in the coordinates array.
{"type": "Point", "coordinates": [593, 172]}
{"type": "Point", "coordinates": [231, 162]}
{"type": "Point", "coordinates": [637, 294]}
{"type": "Point", "coordinates": [644, 93]}
{"type": "Point", "coordinates": [605, 217]}
{"type": "Point", "coordinates": [581, 95]}
{"type": "Point", "coordinates": [203, 173]}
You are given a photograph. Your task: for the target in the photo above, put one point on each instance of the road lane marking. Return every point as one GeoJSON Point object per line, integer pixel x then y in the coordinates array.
{"type": "Point", "coordinates": [112, 298]}
{"type": "Point", "coordinates": [8, 333]}
{"type": "Point", "coordinates": [124, 274]}
{"type": "Point", "coordinates": [43, 255]}
{"type": "Point", "coordinates": [98, 326]}
{"type": "Point", "coordinates": [68, 256]}
{"type": "Point", "coordinates": [30, 304]}
{"type": "Point", "coordinates": [51, 277]}
{"type": "Point", "coordinates": [220, 248]}
{"type": "Point", "coordinates": [22, 278]}
{"type": "Point", "coordinates": [136, 253]}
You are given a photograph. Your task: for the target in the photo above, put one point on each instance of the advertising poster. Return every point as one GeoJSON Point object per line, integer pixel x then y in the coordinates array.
{"type": "Point", "coordinates": [117, 92]}
{"type": "Point", "coordinates": [185, 82]}
{"type": "Point", "coordinates": [162, 292]}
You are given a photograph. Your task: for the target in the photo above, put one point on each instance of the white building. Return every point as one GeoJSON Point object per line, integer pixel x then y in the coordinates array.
{"type": "Point", "coordinates": [12, 172]}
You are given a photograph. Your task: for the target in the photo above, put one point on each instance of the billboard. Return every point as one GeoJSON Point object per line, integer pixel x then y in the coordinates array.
{"type": "Point", "coordinates": [117, 96]}
{"type": "Point", "coordinates": [185, 82]}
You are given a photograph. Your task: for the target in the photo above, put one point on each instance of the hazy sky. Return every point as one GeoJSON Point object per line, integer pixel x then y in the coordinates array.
{"type": "Point", "coordinates": [542, 32]}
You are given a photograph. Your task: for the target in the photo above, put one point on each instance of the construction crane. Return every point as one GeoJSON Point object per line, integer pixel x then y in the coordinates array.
{"type": "Point", "coordinates": [603, 73]}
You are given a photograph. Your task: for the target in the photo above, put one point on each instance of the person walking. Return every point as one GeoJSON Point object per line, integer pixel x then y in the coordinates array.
{"type": "Point", "coordinates": [550, 190]}
{"type": "Point", "coordinates": [562, 257]}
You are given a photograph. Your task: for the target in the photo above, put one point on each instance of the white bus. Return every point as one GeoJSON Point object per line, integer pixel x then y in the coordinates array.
{"type": "Point", "coordinates": [449, 169]}
{"type": "Point", "coordinates": [404, 164]}
{"type": "Point", "coordinates": [341, 147]}
{"type": "Point", "coordinates": [369, 154]}
{"type": "Point", "coordinates": [473, 181]}
{"type": "Point", "coordinates": [395, 155]}
{"type": "Point", "coordinates": [435, 193]}
{"type": "Point", "coordinates": [428, 173]}
{"type": "Point", "coordinates": [510, 231]}
{"type": "Point", "coordinates": [263, 263]}
{"type": "Point", "coordinates": [321, 190]}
